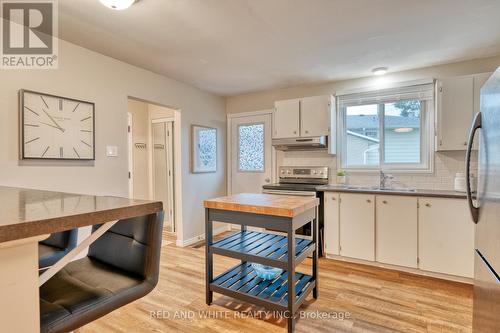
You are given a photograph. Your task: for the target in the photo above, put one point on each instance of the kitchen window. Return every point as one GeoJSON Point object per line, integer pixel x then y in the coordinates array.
{"type": "Point", "coordinates": [390, 129]}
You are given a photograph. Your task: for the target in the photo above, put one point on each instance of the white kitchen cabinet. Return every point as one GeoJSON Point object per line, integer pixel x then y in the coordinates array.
{"type": "Point", "coordinates": [357, 226]}
{"type": "Point", "coordinates": [315, 115]}
{"type": "Point", "coordinates": [396, 230]}
{"type": "Point", "coordinates": [445, 236]}
{"type": "Point", "coordinates": [455, 103]}
{"type": "Point", "coordinates": [286, 119]}
{"type": "Point", "coordinates": [303, 117]}
{"type": "Point", "coordinates": [331, 223]}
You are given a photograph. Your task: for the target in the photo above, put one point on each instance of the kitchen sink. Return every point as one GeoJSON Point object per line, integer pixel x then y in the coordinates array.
{"type": "Point", "coordinates": [377, 188]}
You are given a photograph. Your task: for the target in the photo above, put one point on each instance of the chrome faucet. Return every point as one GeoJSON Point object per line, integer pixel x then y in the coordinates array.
{"type": "Point", "coordinates": [384, 177]}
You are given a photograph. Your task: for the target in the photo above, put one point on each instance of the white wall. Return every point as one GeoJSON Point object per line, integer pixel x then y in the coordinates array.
{"type": "Point", "coordinates": [265, 99]}
{"type": "Point", "coordinates": [87, 75]}
{"type": "Point", "coordinates": [446, 163]}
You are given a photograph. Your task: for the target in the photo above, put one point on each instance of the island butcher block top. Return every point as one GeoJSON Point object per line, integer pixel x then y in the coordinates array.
{"type": "Point", "coordinates": [27, 213]}
{"type": "Point", "coordinates": [266, 204]}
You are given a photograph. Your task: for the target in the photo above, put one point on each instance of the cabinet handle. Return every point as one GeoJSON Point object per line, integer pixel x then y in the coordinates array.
{"type": "Point", "coordinates": [465, 143]}
{"type": "Point", "coordinates": [294, 132]}
{"type": "Point", "coordinates": [368, 200]}
{"type": "Point", "coordinates": [427, 205]}
{"type": "Point", "coordinates": [384, 202]}
{"type": "Point", "coordinates": [333, 198]}
{"type": "Point", "coordinates": [307, 132]}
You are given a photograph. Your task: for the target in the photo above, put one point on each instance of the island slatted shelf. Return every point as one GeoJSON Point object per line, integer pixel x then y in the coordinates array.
{"type": "Point", "coordinates": [283, 214]}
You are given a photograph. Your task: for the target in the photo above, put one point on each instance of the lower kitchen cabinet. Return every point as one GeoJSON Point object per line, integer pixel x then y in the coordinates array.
{"type": "Point", "coordinates": [446, 236]}
{"type": "Point", "coordinates": [357, 226]}
{"type": "Point", "coordinates": [331, 224]}
{"type": "Point", "coordinates": [396, 230]}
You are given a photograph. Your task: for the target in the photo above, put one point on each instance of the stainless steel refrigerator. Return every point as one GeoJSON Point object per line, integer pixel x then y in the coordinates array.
{"type": "Point", "coordinates": [485, 208]}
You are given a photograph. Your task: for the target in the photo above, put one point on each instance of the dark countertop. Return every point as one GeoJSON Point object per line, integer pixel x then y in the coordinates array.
{"type": "Point", "coordinates": [416, 193]}
{"type": "Point", "coordinates": [27, 213]}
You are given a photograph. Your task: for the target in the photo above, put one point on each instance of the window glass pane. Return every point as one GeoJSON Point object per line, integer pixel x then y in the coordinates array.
{"type": "Point", "coordinates": [362, 135]}
{"type": "Point", "coordinates": [402, 131]}
{"type": "Point", "coordinates": [251, 147]}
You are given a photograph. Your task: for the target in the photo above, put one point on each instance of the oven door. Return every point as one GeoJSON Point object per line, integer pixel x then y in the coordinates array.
{"type": "Point", "coordinates": [311, 194]}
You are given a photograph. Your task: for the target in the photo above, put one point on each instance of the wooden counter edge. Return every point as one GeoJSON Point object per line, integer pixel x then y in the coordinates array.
{"type": "Point", "coordinates": [256, 209]}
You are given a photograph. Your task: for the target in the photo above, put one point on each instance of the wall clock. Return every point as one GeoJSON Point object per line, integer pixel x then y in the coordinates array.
{"type": "Point", "coordinates": [56, 128]}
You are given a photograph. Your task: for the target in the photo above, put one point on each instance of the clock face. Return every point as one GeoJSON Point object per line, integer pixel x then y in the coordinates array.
{"type": "Point", "coordinates": [56, 127]}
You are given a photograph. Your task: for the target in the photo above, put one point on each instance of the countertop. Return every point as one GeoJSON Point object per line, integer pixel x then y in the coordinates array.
{"type": "Point", "coordinates": [416, 193]}
{"type": "Point", "coordinates": [267, 204]}
{"type": "Point", "coordinates": [27, 213]}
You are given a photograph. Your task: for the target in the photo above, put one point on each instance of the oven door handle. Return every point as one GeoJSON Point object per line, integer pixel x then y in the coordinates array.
{"type": "Point", "coordinates": [295, 193]}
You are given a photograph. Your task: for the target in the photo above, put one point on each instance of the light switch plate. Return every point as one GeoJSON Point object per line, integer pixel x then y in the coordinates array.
{"type": "Point", "coordinates": [111, 151]}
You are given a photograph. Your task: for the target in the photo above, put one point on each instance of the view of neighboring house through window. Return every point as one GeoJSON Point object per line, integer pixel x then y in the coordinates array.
{"type": "Point", "coordinates": [387, 129]}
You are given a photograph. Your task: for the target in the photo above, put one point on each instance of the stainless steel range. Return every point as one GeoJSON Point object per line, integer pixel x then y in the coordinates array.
{"type": "Point", "coordinates": [302, 181]}
{"type": "Point", "coordinates": [298, 180]}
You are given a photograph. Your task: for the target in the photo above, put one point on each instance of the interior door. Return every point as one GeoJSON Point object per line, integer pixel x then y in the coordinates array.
{"type": "Point", "coordinates": [251, 160]}
{"type": "Point", "coordinates": [162, 170]}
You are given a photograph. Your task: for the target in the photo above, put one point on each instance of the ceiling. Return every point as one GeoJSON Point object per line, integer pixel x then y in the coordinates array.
{"type": "Point", "coordinates": [230, 47]}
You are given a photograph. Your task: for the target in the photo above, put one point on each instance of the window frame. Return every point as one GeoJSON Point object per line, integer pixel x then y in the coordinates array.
{"type": "Point", "coordinates": [426, 164]}
{"type": "Point", "coordinates": [263, 146]}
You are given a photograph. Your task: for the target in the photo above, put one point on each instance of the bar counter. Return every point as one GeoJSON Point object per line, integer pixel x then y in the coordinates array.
{"type": "Point", "coordinates": [28, 216]}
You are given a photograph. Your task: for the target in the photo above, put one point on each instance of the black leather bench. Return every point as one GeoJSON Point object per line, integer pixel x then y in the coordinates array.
{"type": "Point", "coordinates": [122, 266]}
{"type": "Point", "coordinates": [52, 249]}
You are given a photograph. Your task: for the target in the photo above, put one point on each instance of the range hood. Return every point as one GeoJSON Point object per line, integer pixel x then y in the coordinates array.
{"type": "Point", "coordinates": [313, 143]}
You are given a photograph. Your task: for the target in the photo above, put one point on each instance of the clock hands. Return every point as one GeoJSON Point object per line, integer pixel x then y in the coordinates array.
{"type": "Point", "coordinates": [52, 119]}
{"type": "Point", "coordinates": [41, 122]}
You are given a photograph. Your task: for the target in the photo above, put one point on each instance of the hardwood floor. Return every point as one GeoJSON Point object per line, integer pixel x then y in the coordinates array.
{"type": "Point", "coordinates": [376, 300]}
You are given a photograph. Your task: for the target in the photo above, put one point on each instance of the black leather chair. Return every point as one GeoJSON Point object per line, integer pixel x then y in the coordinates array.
{"type": "Point", "coordinates": [55, 247]}
{"type": "Point", "coordinates": [122, 266]}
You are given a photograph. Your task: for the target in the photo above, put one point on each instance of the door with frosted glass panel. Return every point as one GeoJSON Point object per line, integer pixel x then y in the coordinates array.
{"type": "Point", "coordinates": [250, 153]}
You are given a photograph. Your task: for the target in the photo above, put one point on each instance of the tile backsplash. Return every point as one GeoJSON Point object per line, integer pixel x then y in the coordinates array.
{"type": "Point", "coordinates": [446, 165]}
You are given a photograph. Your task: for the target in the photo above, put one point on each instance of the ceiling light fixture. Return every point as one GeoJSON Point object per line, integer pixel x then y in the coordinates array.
{"type": "Point", "coordinates": [379, 70]}
{"type": "Point", "coordinates": [118, 4]}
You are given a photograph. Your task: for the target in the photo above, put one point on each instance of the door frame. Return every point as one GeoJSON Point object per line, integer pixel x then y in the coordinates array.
{"type": "Point", "coordinates": [169, 123]}
{"type": "Point", "coordinates": [130, 142]}
{"type": "Point", "coordinates": [229, 137]}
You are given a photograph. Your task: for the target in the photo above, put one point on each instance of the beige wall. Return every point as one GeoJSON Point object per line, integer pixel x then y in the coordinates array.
{"type": "Point", "coordinates": [265, 100]}
{"type": "Point", "coordinates": [446, 164]}
{"type": "Point", "coordinates": [156, 112]}
{"type": "Point", "coordinates": [87, 75]}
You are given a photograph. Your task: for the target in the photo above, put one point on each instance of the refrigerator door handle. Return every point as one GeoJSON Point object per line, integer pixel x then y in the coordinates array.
{"type": "Point", "coordinates": [476, 124]}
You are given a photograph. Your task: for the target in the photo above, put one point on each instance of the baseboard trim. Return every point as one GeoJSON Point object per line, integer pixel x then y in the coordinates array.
{"type": "Point", "coordinates": [414, 271]}
{"type": "Point", "coordinates": [199, 238]}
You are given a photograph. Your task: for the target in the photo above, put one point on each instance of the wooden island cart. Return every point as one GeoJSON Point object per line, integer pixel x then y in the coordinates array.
{"type": "Point", "coordinates": [280, 213]}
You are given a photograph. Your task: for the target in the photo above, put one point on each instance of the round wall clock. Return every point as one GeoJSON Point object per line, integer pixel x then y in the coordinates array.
{"type": "Point", "coordinates": [54, 127]}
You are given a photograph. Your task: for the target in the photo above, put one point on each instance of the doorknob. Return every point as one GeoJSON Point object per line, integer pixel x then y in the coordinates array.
{"type": "Point", "coordinates": [267, 180]}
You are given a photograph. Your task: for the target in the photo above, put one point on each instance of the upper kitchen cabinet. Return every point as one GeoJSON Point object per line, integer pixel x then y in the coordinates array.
{"type": "Point", "coordinates": [286, 119]}
{"type": "Point", "coordinates": [302, 117]}
{"type": "Point", "coordinates": [457, 102]}
{"type": "Point", "coordinates": [315, 115]}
